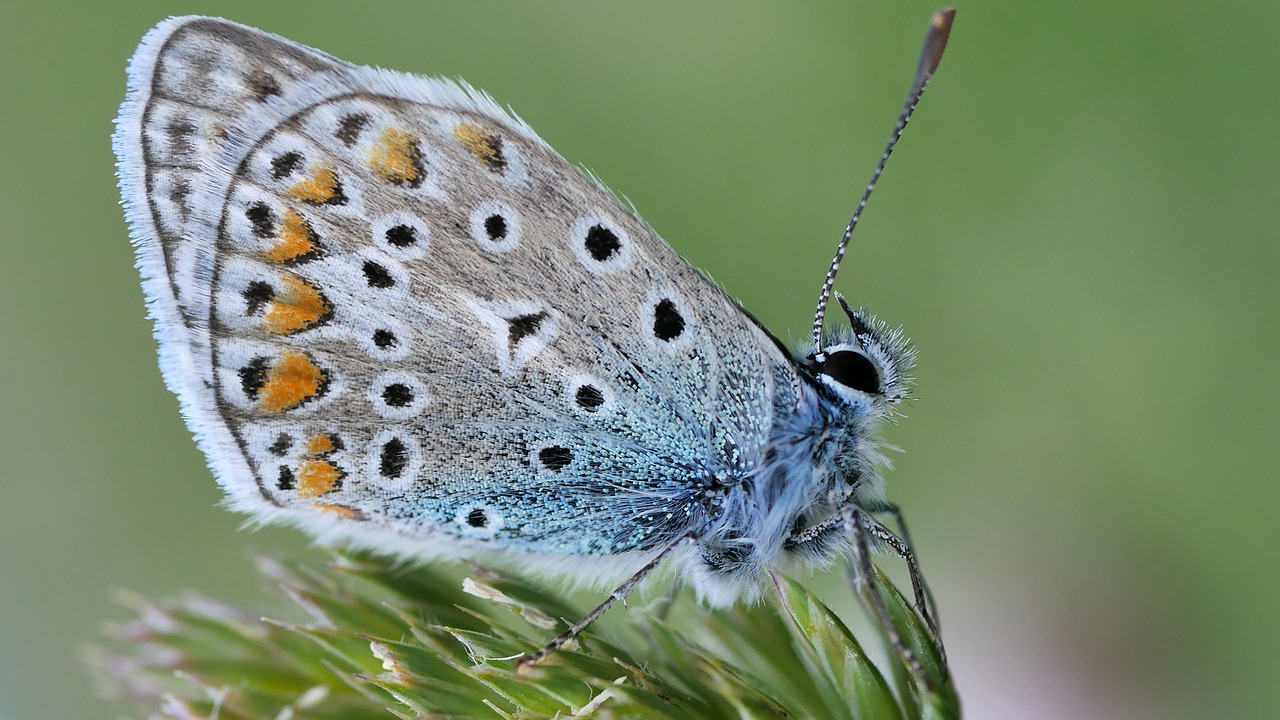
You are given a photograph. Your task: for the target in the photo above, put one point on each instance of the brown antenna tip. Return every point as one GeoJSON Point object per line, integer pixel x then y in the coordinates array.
{"type": "Point", "coordinates": [935, 42]}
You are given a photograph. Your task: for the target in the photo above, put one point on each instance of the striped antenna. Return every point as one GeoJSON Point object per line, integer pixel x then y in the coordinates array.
{"type": "Point", "coordinates": [935, 42]}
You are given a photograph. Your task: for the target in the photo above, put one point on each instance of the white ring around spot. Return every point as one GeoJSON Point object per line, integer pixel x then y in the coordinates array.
{"type": "Point", "coordinates": [479, 230]}
{"type": "Point", "coordinates": [493, 522]}
{"type": "Point", "coordinates": [378, 388]}
{"type": "Point", "coordinates": [617, 260]}
{"type": "Point", "coordinates": [422, 235]}
{"type": "Point", "coordinates": [412, 467]}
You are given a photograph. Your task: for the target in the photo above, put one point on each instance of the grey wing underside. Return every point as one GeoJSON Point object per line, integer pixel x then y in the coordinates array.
{"type": "Point", "coordinates": [394, 315]}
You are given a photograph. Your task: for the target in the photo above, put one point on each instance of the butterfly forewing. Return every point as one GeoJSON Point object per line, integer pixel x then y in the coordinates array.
{"type": "Point", "coordinates": [416, 318]}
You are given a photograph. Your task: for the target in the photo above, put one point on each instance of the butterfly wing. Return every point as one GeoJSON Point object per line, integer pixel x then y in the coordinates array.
{"type": "Point", "coordinates": [396, 317]}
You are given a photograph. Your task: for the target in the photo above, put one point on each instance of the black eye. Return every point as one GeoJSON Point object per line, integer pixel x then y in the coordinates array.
{"type": "Point", "coordinates": [852, 369]}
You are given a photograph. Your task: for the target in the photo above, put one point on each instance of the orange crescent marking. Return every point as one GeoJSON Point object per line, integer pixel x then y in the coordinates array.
{"type": "Point", "coordinates": [318, 189]}
{"type": "Point", "coordinates": [486, 147]}
{"type": "Point", "coordinates": [296, 239]}
{"type": "Point", "coordinates": [316, 477]}
{"type": "Point", "coordinates": [339, 510]}
{"type": "Point", "coordinates": [297, 306]}
{"type": "Point", "coordinates": [292, 380]}
{"type": "Point", "coordinates": [319, 444]}
{"type": "Point", "coordinates": [397, 158]}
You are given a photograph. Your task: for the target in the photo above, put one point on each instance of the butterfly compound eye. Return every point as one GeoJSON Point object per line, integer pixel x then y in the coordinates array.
{"type": "Point", "coordinates": [853, 370]}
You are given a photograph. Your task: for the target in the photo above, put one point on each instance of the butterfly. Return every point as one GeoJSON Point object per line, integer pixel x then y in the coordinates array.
{"type": "Point", "coordinates": [397, 319]}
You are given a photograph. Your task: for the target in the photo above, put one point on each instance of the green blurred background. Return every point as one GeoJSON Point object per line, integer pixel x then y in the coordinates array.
{"type": "Point", "coordinates": [1074, 232]}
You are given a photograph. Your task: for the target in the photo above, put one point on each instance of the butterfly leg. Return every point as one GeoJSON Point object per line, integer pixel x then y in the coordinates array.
{"type": "Point", "coordinates": [862, 527]}
{"type": "Point", "coordinates": [822, 533]}
{"type": "Point", "coordinates": [863, 574]}
{"type": "Point", "coordinates": [905, 549]}
{"type": "Point", "coordinates": [923, 598]}
{"type": "Point", "coordinates": [600, 609]}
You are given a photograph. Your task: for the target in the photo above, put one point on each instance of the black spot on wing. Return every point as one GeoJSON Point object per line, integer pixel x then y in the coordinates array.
{"type": "Point", "coordinates": [555, 458]}
{"type": "Point", "coordinates": [350, 127]}
{"type": "Point", "coordinates": [601, 243]}
{"type": "Point", "coordinates": [522, 326]}
{"type": "Point", "coordinates": [261, 219]}
{"type": "Point", "coordinates": [262, 84]}
{"type": "Point", "coordinates": [668, 324]}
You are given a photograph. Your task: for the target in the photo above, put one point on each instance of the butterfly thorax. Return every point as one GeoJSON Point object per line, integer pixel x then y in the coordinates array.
{"type": "Point", "coordinates": [821, 453]}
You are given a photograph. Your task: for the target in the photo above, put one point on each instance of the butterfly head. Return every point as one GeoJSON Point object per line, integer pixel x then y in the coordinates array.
{"type": "Point", "coordinates": [865, 364]}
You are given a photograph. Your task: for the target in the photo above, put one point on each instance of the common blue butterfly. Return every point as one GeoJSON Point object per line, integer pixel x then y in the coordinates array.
{"type": "Point", "coordinates": [399, 320]}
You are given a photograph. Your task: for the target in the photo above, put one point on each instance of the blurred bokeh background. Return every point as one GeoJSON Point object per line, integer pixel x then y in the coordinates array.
{"type": "Point", "coordinates": [1078, 232]}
